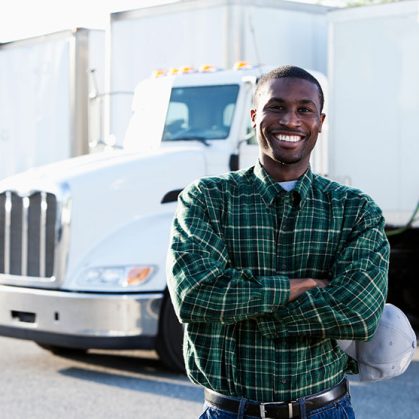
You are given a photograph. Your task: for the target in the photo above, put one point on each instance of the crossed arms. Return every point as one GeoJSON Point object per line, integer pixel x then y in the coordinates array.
{"type": "Point", "coordinates": [205, 288]}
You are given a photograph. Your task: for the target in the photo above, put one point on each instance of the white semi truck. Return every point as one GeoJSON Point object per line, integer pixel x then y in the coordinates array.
{"type": "Point", "coordinates": [83, 242]}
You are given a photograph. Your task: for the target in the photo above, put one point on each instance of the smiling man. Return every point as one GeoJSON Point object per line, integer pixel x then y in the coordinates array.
{"type": "Point", "coordinates": [269, 266]}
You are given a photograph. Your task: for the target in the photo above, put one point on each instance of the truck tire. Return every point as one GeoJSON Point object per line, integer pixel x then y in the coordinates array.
{"type": "Point", "coordinates": [61, 350]}
{"type": "Point", "coordinates": [170, 338]}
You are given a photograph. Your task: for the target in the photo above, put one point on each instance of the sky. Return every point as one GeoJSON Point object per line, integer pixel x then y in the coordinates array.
{"type": "Point", "coordinates": [21, 19]}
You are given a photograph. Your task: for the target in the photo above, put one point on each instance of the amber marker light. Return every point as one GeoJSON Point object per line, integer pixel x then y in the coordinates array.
{"type": "Point", "coordinates": [158, 73]}
{"type": "Point", "coordinates": [187, 69]}
{"type": "Point", "coordinates": [207, 68]}
{"type": "Point", "coordinates": [173, 71]}
{"type": "Point", "coordinates": [139, 274]}
{"type": "Point", "coordinates": [241, 65]}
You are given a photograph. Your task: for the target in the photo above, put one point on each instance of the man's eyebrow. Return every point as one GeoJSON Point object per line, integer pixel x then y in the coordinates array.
{"type": "Point", "coordinates": [302, 101]}
{"type": "Point", "coordinates": [276, 99]}
{"type": "Point", "coordinates": [308, 101]}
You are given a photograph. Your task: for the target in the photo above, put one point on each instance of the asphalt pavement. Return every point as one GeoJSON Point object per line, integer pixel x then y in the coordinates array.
{"type": "Point", "coordinates": [36, 384]}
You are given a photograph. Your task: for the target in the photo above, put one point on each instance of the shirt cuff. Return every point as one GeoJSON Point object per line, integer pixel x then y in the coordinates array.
{"type": "Point", "coordinates": [276, 292]}
{"type": "Point", "coordinates": [271, 325]}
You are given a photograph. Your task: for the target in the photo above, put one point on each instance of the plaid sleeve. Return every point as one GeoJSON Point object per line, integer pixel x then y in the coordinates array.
{"type": "Point", "coordinates": [351, 306]}
{"type": "Point", "coordinates": [202, 284]}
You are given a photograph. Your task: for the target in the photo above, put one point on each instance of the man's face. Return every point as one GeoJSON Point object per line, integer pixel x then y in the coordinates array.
{"type": "Point", "coordinates": [287, 119]}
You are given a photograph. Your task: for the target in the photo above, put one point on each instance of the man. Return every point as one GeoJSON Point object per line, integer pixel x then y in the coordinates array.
{"type": "Point", "coordinates": [269, 266]}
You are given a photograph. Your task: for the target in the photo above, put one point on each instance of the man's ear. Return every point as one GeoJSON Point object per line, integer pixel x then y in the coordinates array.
{"type": "Point", "coordinates": [322, 118]}
{"type": "Point", "coordinates": [253, 117]}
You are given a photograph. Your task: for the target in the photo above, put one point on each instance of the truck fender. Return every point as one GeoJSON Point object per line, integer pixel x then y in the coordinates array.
{"type": "Point", "coordinates": [141, 242]}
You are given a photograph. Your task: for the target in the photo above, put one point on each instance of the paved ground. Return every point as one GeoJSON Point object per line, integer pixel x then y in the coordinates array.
{"type": "Point", "coordinates": [393, 399]}
{"type": "Point", "coordinates": [36, 384]}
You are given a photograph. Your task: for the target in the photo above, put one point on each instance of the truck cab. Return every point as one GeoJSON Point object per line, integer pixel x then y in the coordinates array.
{"type": "Point", "coordinates": [205, 109]}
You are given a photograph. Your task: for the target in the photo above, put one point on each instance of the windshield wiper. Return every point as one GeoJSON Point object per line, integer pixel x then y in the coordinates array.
{"type": "Point", "coordinates": [202, 140]}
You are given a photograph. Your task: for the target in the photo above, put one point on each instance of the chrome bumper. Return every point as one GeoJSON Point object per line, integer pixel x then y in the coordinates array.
{"type": "Point", "coordinates": [84, 320]}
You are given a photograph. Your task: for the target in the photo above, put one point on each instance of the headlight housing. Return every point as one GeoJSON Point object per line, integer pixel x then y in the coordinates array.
{"type": "Point", "coordinates": [113, 278]}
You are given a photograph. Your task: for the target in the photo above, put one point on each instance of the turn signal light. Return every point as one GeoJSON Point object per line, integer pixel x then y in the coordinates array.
{"type": "Point", "coordinates": [137, 275]}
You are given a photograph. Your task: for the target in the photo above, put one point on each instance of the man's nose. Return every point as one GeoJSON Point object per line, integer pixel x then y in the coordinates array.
{"type": "Point", "coordinates": [290, 119]}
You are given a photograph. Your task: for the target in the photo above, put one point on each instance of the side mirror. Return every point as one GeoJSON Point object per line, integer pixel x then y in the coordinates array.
{"type": "Point", "coordinates": [234, 162]}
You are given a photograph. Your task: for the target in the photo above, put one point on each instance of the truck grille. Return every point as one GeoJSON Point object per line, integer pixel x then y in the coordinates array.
{"type": "Point", "coordinates": [27, 234]}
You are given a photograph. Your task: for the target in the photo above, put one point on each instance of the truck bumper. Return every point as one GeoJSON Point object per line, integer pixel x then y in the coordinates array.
{"type": "Point", "coordinates": [80, 320]}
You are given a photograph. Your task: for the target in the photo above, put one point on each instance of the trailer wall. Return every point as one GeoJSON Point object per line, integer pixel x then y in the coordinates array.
{"type": "Point", "coordinates": [374, 104]}
{"type": "Point", "coordinates": [44, 101]}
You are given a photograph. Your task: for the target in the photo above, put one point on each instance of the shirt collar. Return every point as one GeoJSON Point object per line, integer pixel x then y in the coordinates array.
{"type": "Point", "coordinates": [269, 189]}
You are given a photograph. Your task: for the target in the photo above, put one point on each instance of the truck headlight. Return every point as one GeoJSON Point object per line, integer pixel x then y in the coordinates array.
{"type": "Point", "coordinates": [105, 277]}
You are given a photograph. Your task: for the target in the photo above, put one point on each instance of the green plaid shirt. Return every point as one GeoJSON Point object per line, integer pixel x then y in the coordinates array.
{"type": "Point", "coordinates": [236, 241]}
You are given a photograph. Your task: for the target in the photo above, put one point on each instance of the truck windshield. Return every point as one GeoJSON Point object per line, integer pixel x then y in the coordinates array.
{"type": "Point", "coordinates": [200, 113]}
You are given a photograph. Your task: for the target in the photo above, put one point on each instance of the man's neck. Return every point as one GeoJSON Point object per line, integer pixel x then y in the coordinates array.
{"type": "Point", "coordinates": [280, 172]}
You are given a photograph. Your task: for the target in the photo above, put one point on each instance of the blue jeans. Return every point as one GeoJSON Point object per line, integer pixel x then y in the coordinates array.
{"type": "Point", "coordinates": [339, 409]}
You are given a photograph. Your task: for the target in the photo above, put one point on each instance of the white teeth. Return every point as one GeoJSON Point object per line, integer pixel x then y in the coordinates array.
{"type": "Point", "coordinates": [289, 138]}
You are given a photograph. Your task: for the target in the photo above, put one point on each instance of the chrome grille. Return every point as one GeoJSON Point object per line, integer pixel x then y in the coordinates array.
{"type": "Point", "coordinates": [27, 234]}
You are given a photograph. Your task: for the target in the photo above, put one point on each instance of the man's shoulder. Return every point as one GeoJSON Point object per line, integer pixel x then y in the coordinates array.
{"type": "Point", "coordinates": [222, 183]}
{"type": "Point", "coordinates": [330, 186]}
{"type": "Point", "coordinates": [346, 194]}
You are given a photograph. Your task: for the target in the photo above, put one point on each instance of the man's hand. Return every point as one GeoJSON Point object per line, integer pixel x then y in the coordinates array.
{"type": "Point", "coordinates": [299, 286]}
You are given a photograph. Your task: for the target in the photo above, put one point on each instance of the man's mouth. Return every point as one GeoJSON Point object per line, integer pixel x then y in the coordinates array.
{"type": "Point", "coordinates": [289, 138]}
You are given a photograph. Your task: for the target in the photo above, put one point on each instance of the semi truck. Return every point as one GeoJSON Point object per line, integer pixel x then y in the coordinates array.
{"type": "Point", "coordinates": [83, 241]}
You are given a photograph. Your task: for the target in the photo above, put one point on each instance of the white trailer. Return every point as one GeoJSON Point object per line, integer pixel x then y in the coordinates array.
{"type": "Point", "coordinates": [216, 32]}
{"type": "Point", "coordinates": [373, 134]}
{"type": "Point", "coordinates": [47, 106]}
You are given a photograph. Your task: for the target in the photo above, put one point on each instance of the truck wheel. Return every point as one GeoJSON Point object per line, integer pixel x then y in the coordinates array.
{"type": "Point", "coordinates": [61, 350]}
{"type": "Point", "coordinates": [170, 337]}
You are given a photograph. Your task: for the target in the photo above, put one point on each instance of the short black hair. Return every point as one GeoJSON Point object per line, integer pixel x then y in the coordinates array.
{"type": "Point", "coordinates": [288, 71]}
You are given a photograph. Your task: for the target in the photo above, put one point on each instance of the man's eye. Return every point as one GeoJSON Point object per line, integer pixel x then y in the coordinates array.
{"type": "Point", "coordinates": [276, 107]}
{"type": "Point", "coordinates": [305, 110]}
